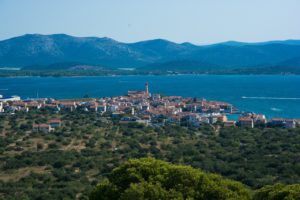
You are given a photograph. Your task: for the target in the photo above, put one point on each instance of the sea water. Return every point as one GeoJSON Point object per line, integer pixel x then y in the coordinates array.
{"type": "Point", "coordinates": [272, 95]}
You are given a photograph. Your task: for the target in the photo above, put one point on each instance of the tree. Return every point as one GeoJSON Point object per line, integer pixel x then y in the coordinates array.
{"type": "Point", "coordinates": [148, 178]}
{"type": "Point", "coordinates": [278, 192]}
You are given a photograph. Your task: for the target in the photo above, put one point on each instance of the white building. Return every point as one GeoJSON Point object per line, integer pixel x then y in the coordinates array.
{"type": "Point", "coordinates": [112, 108]}
{"type": "Point", "coordinates": [10, 98]}
{"type": "Point", "coordinates": [1, 107]}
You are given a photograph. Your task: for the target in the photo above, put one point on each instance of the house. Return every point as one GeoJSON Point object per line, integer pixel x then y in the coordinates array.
{"type": "Point", "coordinates": [145, 107]}
{"type": "Point", "coordinates": [70, 105]}
{"type": "Point", "coordinates": [1, 107]}
{"type": "Point", "coordinates": [101, 108]}
{"type": "Point", "coordinates": [226, 108]}
{"type": "Point", "coordinates": [229, 123]}
{"type": "Point", "coordinates": [126, 120]}
{"type": "Point", "coordinates": [204, 120]}
{"type": "Point", "coordinates": [53, 107]}
{"type": "Point", "coordinates": [290, 123]}
{"type": "Point", "coordinates": [45, 128]}
{"type": "Point", "coordinates": [297, 122]}
{"type": "Point", "coordinates": [116, 114]}
{"type": "Point", "coordinates": [191, 120]}
{"type": "Point", "coordinates": [214, 109]}
{"type": "Point", "coordinates": [156, 97]}
{"type": "Point", "coordinates": [10, 98]}
{"type": "Point", "coordinates": [191, 107]}
{"type": "Point", "coordinates": [173, 119]}
{"type": "Point", "coordinates": [259, 119]}
{"type": "Point", "coordinates": [213, 119]}
{"type": "Point", "coordinates": [246, 122]}
{"type": "Point", "coordinates": [92, 106]}
{"type": "Point", "coordinates": [24, 109]}
{"type": "Point", "coordinates": [282, 122]}
{"type": "Point", "coordinates": [19, 106]}
{"type": "Point", "coordinates": [33, 104]}
{"type": "Point", "coordinates": [55, 123]}
{"type": "Point", "coordinates": [142, 121]}
{"type": "Point", "coordinates": [277, 122]}
{"type": "Point", "coordinates": [222, 118]}
{"type": "Point", "coordinates": [112, 108]}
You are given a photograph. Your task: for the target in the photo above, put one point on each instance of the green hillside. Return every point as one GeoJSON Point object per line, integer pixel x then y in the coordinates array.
{"type": "Point", "coordinates": [69, 162]}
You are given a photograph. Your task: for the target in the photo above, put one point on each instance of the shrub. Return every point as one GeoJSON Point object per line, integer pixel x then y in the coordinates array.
{"type": "Point", "coordinates": [148, 178]}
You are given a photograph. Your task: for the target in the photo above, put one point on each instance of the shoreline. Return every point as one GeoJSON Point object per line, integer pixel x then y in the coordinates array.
{"type": "Point", "coordinates": [128, 75]}
{"type": "Point", "coordinates": [229, 88]}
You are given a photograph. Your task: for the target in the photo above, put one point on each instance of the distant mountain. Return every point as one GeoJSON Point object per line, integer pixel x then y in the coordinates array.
{"type": "Point", "coordinates": [46, 50]}
{"type": "Point", "coordinates": [236, 43]}
{"type": "Point", "coordinates": [293, 62]}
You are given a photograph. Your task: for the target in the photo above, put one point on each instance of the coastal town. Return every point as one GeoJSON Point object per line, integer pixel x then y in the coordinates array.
{"type": "Point", "coordinates": [146, 108]}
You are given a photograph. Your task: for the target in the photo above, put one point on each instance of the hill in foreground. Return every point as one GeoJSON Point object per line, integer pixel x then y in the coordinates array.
{"type": "Point", "coordinates": [154, 179]}
{"type": "Point", "coordinates": [148, 178]}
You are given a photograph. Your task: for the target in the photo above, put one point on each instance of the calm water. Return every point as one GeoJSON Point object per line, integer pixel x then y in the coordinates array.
{"type": "Point", "coordinates": [275, 96]}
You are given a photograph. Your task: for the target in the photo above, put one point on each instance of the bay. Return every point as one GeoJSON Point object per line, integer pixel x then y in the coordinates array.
{"type": "Point", "coordinates": [273, 95]}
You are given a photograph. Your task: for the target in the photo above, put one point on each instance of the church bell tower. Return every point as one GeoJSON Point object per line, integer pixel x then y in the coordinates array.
{"type": "Point", "coordinates": [147, 89]}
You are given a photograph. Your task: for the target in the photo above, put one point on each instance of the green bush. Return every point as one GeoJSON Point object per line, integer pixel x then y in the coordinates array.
{"type": "Point", "coordinates": [148, 178]}
{"type": "Point", "coordinates": [278, 192]}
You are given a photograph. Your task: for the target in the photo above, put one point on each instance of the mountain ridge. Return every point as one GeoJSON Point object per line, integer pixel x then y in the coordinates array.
{"type": "Point", "coordinates": [38, 49]}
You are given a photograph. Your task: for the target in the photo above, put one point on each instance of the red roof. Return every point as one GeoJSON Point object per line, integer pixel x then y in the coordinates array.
{"type": "Point", "coordinates": [40, 125]}
{"type": "Point", "coordinates": [54, 121]}
{"type": "Point", "coordinates": [245, 119]}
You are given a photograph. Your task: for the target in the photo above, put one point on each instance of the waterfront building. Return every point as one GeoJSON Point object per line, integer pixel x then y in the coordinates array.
{"type": "Point", "coordinates": [145, 108]}
{"type": "Point", "coordinates": [246, 122]}
{"type": "Point", "coordinates": [259, 119]}
{"type": "Point", "coordinates": [222, 118]}
{"type": "Point", "coordinates": [147, 89]}
{"type": "Point", "coordinates": [282, 122]}
{"type": "Point", "coordinates": [140, 94]}
{"type": "Point", "coordinates": [229, 123]}
{"type": "Point", "coordinates": [9, 98]}
{"type": "Point", "coordinates": [1, 107]}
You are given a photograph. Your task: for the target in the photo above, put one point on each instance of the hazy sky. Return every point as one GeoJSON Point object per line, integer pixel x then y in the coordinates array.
{"type": "Point", "coordinates": [196, 21]}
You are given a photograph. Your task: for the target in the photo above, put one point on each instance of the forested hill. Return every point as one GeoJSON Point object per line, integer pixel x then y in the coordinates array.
{"type": "Point", "coordinates": [36, 49]}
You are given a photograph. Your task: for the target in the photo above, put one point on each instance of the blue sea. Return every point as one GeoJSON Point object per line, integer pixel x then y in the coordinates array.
{"type": "Point", "coordinates": [273, 95]}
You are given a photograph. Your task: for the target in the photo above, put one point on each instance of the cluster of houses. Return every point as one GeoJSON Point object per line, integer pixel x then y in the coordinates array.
{"type": "Point", "coordinates": [47, 127]}
{"type": "Point", "coordinates": [250, 120]}
{"type": "Point", "coordinates": [142, 107]}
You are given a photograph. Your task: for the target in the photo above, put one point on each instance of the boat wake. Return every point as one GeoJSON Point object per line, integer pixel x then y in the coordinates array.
{"type": "Point", "coordinates": [274, 98]}
{"type": "Point", "coordinates": [276, 109]}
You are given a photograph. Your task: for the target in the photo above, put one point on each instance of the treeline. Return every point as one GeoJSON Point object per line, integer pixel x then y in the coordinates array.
{"type": "Point", "coordinates": [269, 70]}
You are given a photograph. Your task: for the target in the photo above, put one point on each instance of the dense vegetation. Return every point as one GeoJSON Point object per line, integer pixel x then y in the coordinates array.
{"type": "Point", "coordinates": [270, 70]}
{"type": "Point", "coordinates": [69, 162]}
{"type": "Point", "coordinates": [148, 178]}
{"type": "Point", "coordinates": [153, 179]}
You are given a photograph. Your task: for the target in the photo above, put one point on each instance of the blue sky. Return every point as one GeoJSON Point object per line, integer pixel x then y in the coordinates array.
{"type": "Point", "coordinates": [196, 21]}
